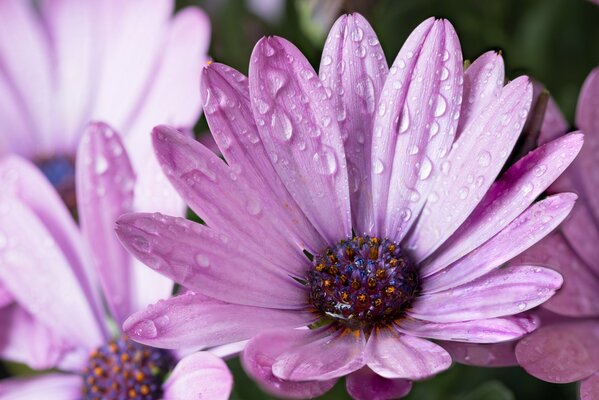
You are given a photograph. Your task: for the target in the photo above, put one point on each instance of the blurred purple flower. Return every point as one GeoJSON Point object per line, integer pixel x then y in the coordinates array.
{"type": "Point", "coordinates": [52, 271]}
{"type": "Point", "coordinates": [567, 349]}
{"type": "Point", "coordinates": [346, 206]}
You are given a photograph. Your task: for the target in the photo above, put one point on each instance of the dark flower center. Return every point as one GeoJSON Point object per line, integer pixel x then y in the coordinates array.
{"type": "Point", "coordinates": [362, 282]}
{"type": "Point", "coordinates": [123, 369]}
{"type": "Point", "coordinates": [60, 171]}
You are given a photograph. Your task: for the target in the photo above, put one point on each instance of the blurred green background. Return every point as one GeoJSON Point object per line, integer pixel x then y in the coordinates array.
{"type": "Point", "coordinates": [553, 41]}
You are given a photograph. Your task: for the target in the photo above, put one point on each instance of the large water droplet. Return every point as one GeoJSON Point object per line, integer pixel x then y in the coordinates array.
{"type": "Point", "coordinates": [325, 161]}
{"type": "Point", "coordinates": [404, 121]}
{"type": "Point", "coordinates": [101, 165]}
{"type": "Point", "coordinates": [267, 49]}
{"type": "Point", "coordinates": [440, 107]}
{"type": "Point", "coordinates": [365, 90]}
{"type": "Point", "coordinates": [426, 168]}
{"type": "Point", "coordinates": [357, 34]}
{"type": "Point", "coordinates": [253, 206]}
{"type": "Point", "coordinates": [327, 60]}
{"type": "Point", "coordinates": [202, 260]}
{"type": "Point", "coordinates": [282, 125]}
{"type": "Point", "coordinates": [484, 158]}
{"type": "Point", "coordinates": [378, 166]}
{"type": "Point", "coordinates": [145, 329]}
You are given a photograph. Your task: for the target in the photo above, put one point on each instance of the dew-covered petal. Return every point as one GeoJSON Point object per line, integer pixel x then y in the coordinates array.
{"type": "Point", "coordinates": [364, 384]}
{"type": "Point", "coordinates": [298, 125]}
{"type": "Point", "coordinates": [479, 331]}
{"type": "Point", "coordinates": [561, 353]}
{"type": "Point", "coordinates": [503, 292]}
{"type": "Point", "coordinates": [199, 376]}
{"type": "Point", "coordinates": [589, 388]}
{"type": "Point", "coordinates": [483, 82]}
{"type": "Point", "coordinates": [228, 111]}
{"type": "Point", "coordinates": [394, 355]}
{"type": "Point", "coordinates": [105, 183]}
{"type": "Point", "coordinates": [37, 273]}
{"type": "Point", "coordinates": [507, 198]}
{"type": "Point", "coordinates": [353, 68]}
{"type": "Point", "coordinates": [52, 386]}
{"type": "Point", "coordinates": [261, 353]}
{"type": "Point", "coordinates": [191, 320]}
{"type": "Point", "coordinates": [483, 355]}
{"type": "Point", "coordinates": [208, 262]}
{"type": "Point", "coordinates": [527, 229]}
{"type": "Point", "coordinates": [471, 167]}
{"type": "Point", "coordinates": [415, 125]}
{"type": "Point", "coordinates": [579, 296]}
{"type": "Point", "coordinates": [27, 341]}
{"type": "Point", "coordinates": [587, 120]}
{"type": "Point", "coordinates": [26, 76]}
{"type": "Point", "coordinates": [225, 200]}
{"type": "Point", "coordinates": [315, 355]}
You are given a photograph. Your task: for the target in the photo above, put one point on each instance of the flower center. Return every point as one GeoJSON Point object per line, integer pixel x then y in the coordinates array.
{"type": "Point", "coordinates": [362, 282]}
{"type": "Point", "coordinates": [60, 171]}
{"type": "Point", "coordinates": [123, 369]}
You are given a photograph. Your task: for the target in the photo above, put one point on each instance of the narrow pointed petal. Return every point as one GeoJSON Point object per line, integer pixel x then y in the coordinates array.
{"type": "Point", "coordinates": [483, 82]}
{"type": "Point", "coordinates": [224, 199]}
{"type": "Point", "coordinates": [507, 198]}
{"type": "Point", "coordinates": [105, 184]}
{"type": "Point", "coordinates": [200, 376]}
{"type": "Point", "coordinates": [506, 291]}
{"type": "Point", "coordinates": [354, 69]}
{"type": "Point", "coordinates": [261, 353]}
{"type": "Point", "coordinates": [319, 355]}
{"type": "Point", "coordinates": [481, 331]}
{"type": "Point", "coordinates": [298, 126]}
{"type": "Point", "coordinates": [208, 262]}
{"type": "Point", "coordinates": [364, 384]}
{"type": "Point", "coordinates": [483, 355]}
{"type": "Point", "coordinates": [527, 229]}
{"type": "Point", "coordinates": [235, 131]}
{"type": "Point", "coordinates": [417, 118]}
{"type": "Point", "coordinates": [579, 296]}
{"type": "Point", "coordinates": [589, 388]}
{"type": "Point", "coordinates": [561, 353]}
{"type": "Point", "coordinates": [191, 320]}
{"type": "Point", "coordinates": [582, 232]}
{"type": "Point", "coordinates": [54, 386]}
{"type": "Point", "coordinates": [472, 166]}
{"type": "Point", "coordinates": [554, 123]}
{"type": "Point", "coordinates": [393, 355]}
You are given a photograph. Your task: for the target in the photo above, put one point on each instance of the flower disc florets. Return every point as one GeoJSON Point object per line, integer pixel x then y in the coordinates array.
{"type": "Point", "coordinates": [362, 282]}
{"type": "Point", "coordinates": [123, 369]}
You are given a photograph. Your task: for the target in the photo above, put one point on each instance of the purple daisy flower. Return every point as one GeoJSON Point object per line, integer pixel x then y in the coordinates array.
{"type": "Point", "coordinates": [359, 213]}
{"type": "Point", "coordinates": [52, 270]}
{"type": "Point", "coordinates": [567, 348]}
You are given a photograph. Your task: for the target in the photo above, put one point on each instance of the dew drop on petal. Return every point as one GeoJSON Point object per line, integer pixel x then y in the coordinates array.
{"type": "Point", "coordinates": [202, 260]}
{"type": "Point", "coordinates": [440, 107]}
{"type": "Point", "coordinates": [378, 167]}
{"type": "Point", "coordinates": [484, 158]}
{"type": "Point", "coordinates": [146, 329]}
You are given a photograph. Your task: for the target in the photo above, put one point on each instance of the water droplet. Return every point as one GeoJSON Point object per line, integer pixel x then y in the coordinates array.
{"type": "Point", "coordinates": [202, 260]}
{"type": "Point", "coordinates": [325, 161]}
{"type": "Point", "coordinates": [484, 158]}
{"type": "Point", "coordinates": [267, 49]}
{"type": "Point", "coordinates": [434, 129]}
{"type": "Point", "coordinates": [463, 192]}
{"type": "Point", "coordinates": [365, 90]}
{"type": "Point", "coordinates": [540, 170]}
{"type": "Point", "coordinates": [404, 121]}
{"type": "Point", "coordinates": [360, 51]}
{"type": "Point", "coordinates": [327, 60]}
{"type": "Point", "coordinates": [145, 329]}
{"type": "Point", "coordinates": [141, 244]}
{"type": "Point", "coordinates": [101, 165]}
{"type": "Point", "coordinates": [444, 73]}
{"type": "Point", "coordinates": [326, 120]}
{"type": "Point", "coordinates": [425, 169]}
{"type": "Point", "coordinates": [262, 106]}
{"type": "Point", "coordinates": [440, 107]}
{"type": "Point", "coordinates": [253, 138]}
{"type": "Point", "coordinates": [282, 124]}
{"type": "Point", "coordinates": [378, 166]}
{"type": "Point", "coordinates": [357, 34]}
{"type": "Point", "coordinates": [521, 306]}
{"type": "Point", "coordinates": [401, 63]}
{"type": "Point", "coordinates": [253, 206]}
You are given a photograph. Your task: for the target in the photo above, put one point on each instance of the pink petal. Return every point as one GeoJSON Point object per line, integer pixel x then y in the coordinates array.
{"type": "Point", "coordinates": [5, 296]}
{"type": "Point", "coordinates": [208, 262]}
{"type": "Point", "coordinates": [579, 296]}
{"type": "Point", "coordinates": [471, 167]}
{"type": "Point", "coordinates": [554, 124]}
{"type": "Point", "coordinates": [200, 376]}
{"type": "Point", "coordinates": [393, 355]}
{"type": "Point", "coordinates": [589, 389]}
{"type": "Point", "coordinates": [190, 320]}
{"type": "Point", "coordinates": [507, 198]}
{"type": "Point", "coordinates": [225, 200]}
{"type": "Point", "coordinates": [172, 97]}
{"type": "Point", "coordinates": [483, 83]}
{"type": "Point", "coordinates": [41, 279]}
{"type": "Point", "coordinates": [27, 341]}
{"type": "Point", "coordinates": [364, 384]}
{"type": "Point", "coordinates": [25, 182]}
{"type": "Point", "coordinates": [105, 183]}
{"type": "Point", "coordinates": [561, 353]}
{"type": "Point", "coordinates": [482, 355]}
{"type": "Point", "coordinates": [503, 292]}
{"type": "Point", "coordinates": [587, 120]}
{"type": "Point", "coordinates": [27, 73]}
{"type": "Point", "coordinates": [298, 126]}
{"type": "Point", "coordinates": [480, 331]}
{"type": "Point", "coordinates": [235, 131]}
{"type": "Point", "coordinates": [582, 230]}
{"type": "Point", "coordinates": [356, 88]}
{"type": "Point", "coordinates": [53, 386]}
{"type": "Point", "coordinates": [314, 355]}
{"type": "Point", "coordinates": [261, 353]}
{"type": "Point", "coordinates": [528, 228]}
{"type": "Point", "coordinates": [414, 129]}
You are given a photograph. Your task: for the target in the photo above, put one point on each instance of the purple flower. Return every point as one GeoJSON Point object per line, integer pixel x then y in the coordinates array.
{"type": "Point", "coordinates": [51, 269]}
{"type": "Point", "coordinates": [363, 203]}
{"type": "Point", "coordinates": [567, 348]}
